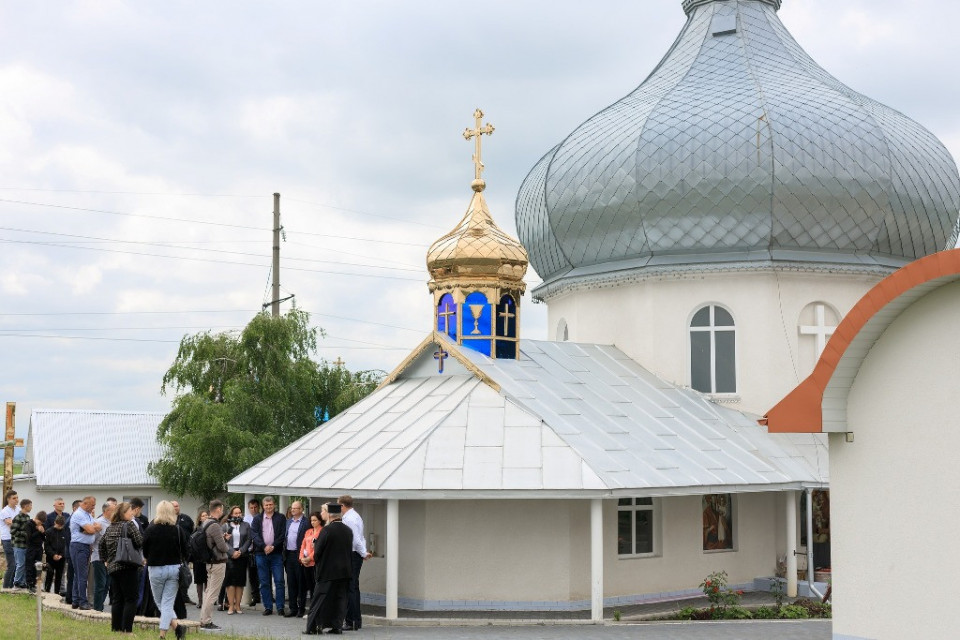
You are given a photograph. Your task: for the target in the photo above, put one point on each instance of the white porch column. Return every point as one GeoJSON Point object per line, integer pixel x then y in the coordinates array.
{"type": "Point", "coordinates": [284, 503]}
{"type": "Point", "coordinates": [596, 560]}
{"type": "Point", "coordinates": [791, 524]}
{"type": "Point", "coordinates": [393, 556]}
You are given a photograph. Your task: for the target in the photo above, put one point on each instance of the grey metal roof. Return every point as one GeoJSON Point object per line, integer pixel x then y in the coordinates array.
{"type": "Point", "coordinates": [114, 447]}
{"type": "Point", "coordinates": [564, 420]}
{"type": "Point", "coordinates": [739, 142]}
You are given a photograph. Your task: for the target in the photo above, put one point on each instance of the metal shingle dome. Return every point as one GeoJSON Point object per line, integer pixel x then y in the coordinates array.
{"type": "Point", "coordinates": [738, 147]}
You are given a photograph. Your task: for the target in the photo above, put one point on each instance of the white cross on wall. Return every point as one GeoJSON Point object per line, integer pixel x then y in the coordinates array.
{"type": "Point", "coordinates": [821, 331]}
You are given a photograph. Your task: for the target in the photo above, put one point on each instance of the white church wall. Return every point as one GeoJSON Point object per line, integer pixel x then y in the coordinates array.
{"type": "Point", "coordinates": [649, 321]}
{"type": "Point", "coordinates": [894, 489]}
{"type": "Point", "coordinates": [683, 563]}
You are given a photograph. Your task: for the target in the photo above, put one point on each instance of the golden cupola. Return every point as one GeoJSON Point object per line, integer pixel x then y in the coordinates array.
{"type": "Point", "coordinates": [476, 273]}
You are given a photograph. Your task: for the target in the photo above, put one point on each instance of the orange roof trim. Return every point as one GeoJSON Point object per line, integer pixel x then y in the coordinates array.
{"type": "Point", "coordinates": [801, 410]}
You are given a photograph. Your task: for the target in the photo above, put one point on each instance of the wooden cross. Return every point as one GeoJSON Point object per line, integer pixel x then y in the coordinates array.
{"type": "Point", "coordinates": [506, 315]}
{"type": "Point", "coordinates": [476, 133]}
{"type": "Point", "coordinates": [339, 361]}
{"type": "Point", "coordinates": [9, 442]}
{"type": "Point", "coordinates": [445, 317]}
{"type": "Point", "coordinates": [440, 356]}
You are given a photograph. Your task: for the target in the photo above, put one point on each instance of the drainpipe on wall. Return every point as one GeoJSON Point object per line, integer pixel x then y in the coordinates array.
{"type": "Point", "coordinates": [810, 567]}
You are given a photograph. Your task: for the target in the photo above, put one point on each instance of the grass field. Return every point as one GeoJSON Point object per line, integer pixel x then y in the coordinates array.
{"type": "Point", "coordinates": [18, 614]}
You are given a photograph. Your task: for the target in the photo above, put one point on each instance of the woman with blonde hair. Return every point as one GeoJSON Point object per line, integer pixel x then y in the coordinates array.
{"type": "Point", "coordinates": [164, 547]}
{"type": "Point", "coordinates": [123, 575]}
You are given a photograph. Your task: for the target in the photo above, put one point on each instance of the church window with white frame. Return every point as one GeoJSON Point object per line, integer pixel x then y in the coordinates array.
{"type": "Point", "coordinates": [713, 347]}
{"type": "Point", "coordinates": [818, 320]}
{"type": "Point", "coordinates": [636, 527]}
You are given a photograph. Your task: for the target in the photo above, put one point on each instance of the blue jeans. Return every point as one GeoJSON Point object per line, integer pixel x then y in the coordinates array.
{"type": "Point", "coordinates": [164, 582]}
{"type": "Point", "coordinates": [80, 557]}
{"type": "Point", "coordinates": [270, 566]}
{"type": "Point", "coordinates": [20, 558]}
{"type": "Point", "coordinates": [11, 564]}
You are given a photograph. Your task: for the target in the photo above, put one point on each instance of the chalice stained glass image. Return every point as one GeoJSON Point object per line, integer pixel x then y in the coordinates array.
{"type": "Point", "coordinates": [477, 311]}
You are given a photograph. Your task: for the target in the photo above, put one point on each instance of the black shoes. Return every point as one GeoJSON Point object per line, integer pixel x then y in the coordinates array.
{"type": "Point", "coordinates": [335, 632]}
{"type": "Point", "coordinates": [268, 612]}
{"type": "Point", "coordinates": [180, 631]}
{"type": "Point", "coordinates": [290, 614]}
{"type": "Point", "coordinates": [210, 627]}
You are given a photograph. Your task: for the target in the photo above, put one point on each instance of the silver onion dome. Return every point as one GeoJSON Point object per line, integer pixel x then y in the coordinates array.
{"type": "Point", "coordinates": [738, 148]}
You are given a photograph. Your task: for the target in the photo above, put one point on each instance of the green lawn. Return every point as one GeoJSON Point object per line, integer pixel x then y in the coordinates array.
{"type": "Point", "coordinates": [19, 616]}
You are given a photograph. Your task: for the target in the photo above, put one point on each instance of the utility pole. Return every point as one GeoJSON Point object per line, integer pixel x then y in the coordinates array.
{"type": "Point", "coordinates": [275, 300]}
{"type": "Point", "coordinates": [9, 442]}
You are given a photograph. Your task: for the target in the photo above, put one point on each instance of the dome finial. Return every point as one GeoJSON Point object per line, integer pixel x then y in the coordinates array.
{"type": "Point", "coordinates": [478, 184]}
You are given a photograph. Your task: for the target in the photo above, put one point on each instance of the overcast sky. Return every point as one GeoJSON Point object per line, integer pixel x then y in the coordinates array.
{"type": "Point", "coordinates": [140, 143]}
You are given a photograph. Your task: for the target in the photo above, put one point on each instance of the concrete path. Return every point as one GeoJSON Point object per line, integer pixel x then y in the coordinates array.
{"type": "Point", "coordinates": [253, 624]}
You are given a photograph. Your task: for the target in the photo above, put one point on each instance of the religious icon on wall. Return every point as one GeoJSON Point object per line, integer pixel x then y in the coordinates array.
{"type": "Point", "coordinates": [821, 516]}
{"type": "Point", "coordinates": [717, 522]}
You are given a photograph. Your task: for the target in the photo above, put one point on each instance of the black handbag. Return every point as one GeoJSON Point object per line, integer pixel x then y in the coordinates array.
{"type": "Point", "coordinates": [185, 575]}
{"type": "Point", "coordinates": [126, 552]}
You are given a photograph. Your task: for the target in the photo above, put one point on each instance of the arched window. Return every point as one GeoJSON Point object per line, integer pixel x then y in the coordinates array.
{"type": "Point", "coordinates": [713, 361]}
{"type": "Point", "coordinates": [563, 332]}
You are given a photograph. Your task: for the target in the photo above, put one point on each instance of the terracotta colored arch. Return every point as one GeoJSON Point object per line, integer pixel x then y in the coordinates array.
{"type": "Point", "coordinates": [801, 411]}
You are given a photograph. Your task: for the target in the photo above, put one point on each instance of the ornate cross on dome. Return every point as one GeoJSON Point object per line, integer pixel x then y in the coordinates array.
{"type": "Point", "coordinates": [476, 133]}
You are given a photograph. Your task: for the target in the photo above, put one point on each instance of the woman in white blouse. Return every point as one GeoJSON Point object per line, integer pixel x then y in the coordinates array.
{"type": "Point", "coordinates": [237, 535]}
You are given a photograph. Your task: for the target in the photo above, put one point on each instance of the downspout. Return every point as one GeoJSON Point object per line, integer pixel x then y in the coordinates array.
{"type": "Point", "coordinates": [810, 568]}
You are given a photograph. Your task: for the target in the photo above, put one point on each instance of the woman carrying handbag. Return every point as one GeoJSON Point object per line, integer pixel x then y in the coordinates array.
{"type": "Point", "coordinates": [123, 571]}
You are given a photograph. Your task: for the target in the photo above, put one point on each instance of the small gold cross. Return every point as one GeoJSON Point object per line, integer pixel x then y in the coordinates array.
{"type": "Point", "coordinates": [479, 131]}
{"type": "Point", "coordinates": [339, 361]}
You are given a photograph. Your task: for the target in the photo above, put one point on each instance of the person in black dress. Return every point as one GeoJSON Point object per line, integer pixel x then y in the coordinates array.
{"type": "Point", "coordinates": [333, 570]}
{"type": "Point", "coordinates": [55, 545]}
{"type": "Point", "coordinates": [237, 534]}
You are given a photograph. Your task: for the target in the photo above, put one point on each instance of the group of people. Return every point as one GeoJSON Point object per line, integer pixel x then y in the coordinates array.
{"type": "Point", "coordinates": [289, 560]}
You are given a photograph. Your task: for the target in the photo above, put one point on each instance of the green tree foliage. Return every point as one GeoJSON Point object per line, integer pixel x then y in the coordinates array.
{"type": "Point", "coordinates": [240, 398]}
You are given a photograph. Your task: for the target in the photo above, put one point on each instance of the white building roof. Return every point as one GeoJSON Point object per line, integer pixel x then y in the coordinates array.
{"type": "Point", "coordinates": [73, 448]}
{"type": "Point", "coordinates": [564, 420]}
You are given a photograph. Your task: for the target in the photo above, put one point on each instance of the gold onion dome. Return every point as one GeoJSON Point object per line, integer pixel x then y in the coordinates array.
{"type": "Point", "coordinates": [477, 250]}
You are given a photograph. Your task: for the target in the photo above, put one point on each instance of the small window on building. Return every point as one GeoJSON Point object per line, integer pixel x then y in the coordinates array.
{"type": "Point", "coordinates": [713, 360]}
{"type": "Point", "coordinates": [718, 522]}
{"type": "Point", "coordinates": [636, 527]}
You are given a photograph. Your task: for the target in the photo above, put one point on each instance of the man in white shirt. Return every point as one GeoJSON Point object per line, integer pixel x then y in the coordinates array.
{"type": "Point", "coordinates": [11, 507]}
{"type": "Point", "coordinates": [353, 520]}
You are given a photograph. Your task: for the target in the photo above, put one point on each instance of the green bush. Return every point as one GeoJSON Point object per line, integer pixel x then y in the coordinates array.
{"type": "Point", "coordinates": [736, 612]}
{"type": "Point", "coordinates": [815, 608]}
{"type": "Point", "coordinates": [764, 613]}
{"type": "Point", "coordinates": [686, 613]}
{"type": "Point", "coordinates": [794, 612]}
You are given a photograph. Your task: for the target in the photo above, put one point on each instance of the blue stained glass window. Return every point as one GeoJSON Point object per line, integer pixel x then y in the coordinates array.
{"type": "Point", "coordinates": [507, 317]}
{"type": "Point", "coordinates": [477, 320]}
{"type": "Point", "coordinates": [506, 350]}
{"type": "Point", "coordinates": [447, 316]}
{"type": "Point", "coordinates": [483, 346]}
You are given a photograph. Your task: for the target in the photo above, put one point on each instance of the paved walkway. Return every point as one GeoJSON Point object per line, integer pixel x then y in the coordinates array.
{"type": "Point", "coordinates": [459, 625]}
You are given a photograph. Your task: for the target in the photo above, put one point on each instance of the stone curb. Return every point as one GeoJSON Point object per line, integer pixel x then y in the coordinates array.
{"type": "Point", "coordinates": [51, 602]}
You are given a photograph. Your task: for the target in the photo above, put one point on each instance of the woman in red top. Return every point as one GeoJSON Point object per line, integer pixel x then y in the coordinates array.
{"type": "Point", "coordinates": [306, 549]}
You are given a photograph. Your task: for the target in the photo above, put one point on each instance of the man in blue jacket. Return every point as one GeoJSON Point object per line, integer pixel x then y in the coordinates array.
{"type": "Point", "coordinates": [268, 532]}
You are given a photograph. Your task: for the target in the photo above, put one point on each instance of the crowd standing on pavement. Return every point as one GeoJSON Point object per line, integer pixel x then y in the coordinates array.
{"type": "Point", "coordinates": [296, 565]}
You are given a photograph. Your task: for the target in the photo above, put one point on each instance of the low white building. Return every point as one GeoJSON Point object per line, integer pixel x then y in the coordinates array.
{"type": "Point", "coordinates": [566, 479]}
{"type": "Point", "coordinates": [885, 390]}
{"type": "Point", "coordinates": [74, 453]}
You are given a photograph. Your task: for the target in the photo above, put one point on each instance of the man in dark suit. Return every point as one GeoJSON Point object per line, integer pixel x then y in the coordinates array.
{"type": "Point", "coordinates": [332, 553]}
{"type": "Point", "coordinates": [185, 523]}
{"type": "Point", "coordinates": [267, 531]}
{"type": "Point", "coordinates": [297, 525]}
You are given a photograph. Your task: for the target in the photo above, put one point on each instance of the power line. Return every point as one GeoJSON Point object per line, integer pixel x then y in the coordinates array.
{"type": "Point", "coordinates": [364, 213]}
{"type": "Point", "coordinates": [174, 246]}
{"type": "Point", "coordinates": [134, 193]}
{"type": "Point", "coordinates": [157, 340]}
{"type": "Point", "coordinates": [208, 260]}
{"type": "Point", "coordinates": [199, 221]}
